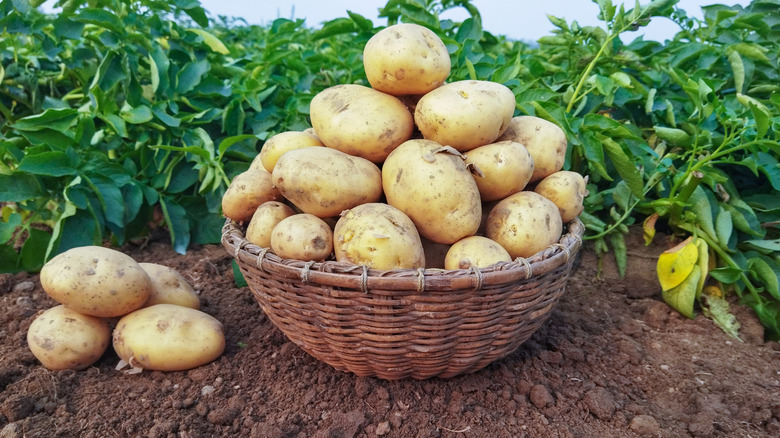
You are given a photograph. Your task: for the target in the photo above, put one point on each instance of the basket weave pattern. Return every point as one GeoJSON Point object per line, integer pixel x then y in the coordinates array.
{"type": "Point", "coordinates": [406, 323]}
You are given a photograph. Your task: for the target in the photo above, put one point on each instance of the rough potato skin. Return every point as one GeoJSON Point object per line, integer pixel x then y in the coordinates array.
{"type": "Point", "coordinates": [63, 339]}
{"type": "Point", "coordinates": [280, 143]}
{"type": "Point", "coordinates": [506, 167]}
{"type": "Point", "coordinates": [246, 192]}
{"type": "Point", "coordinates": [524, 224]}
{"type": "Point", "coordinates": [264, 220]}
{"type": "Point", "coordinates": [475, 252]}
{"type": "Point", "coordinates": [169, 287]}
{"type": "Point", "coordinates": [545, 141]}
{"type": "Point", "coordinates": [302, 237]}
{"type": "Point", "coordinates": [567, 190]}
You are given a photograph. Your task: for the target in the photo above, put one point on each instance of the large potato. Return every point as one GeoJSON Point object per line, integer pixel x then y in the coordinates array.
{"type": "Point", "coordinates": [169, 287]}
{"type": "Point", "coordinates": [406, 58]}
{"type": "Point", "coordinates": [465, 114]}
{"type": "Point", "coordinates": [524, 224]}
{"type": "Point", "coordinates": [167, 337]}
{"type": "Point", "coordinates": [246, 192]}
{"type": "Point", "coordinates": [431, 185]}
{"type": "Point", "coordinates": [475, 252]}
{"type": "Point", "coordinates": [324, 182]}
{"type": "Point", "coordinates": [567, 190]}
{"type": "Point", "coordinates": [545, 141]}
{"type": "Point", "coordinates": [280, 143]}
{"type": "Point", "coordinates": [379, 236]}
{"type": "Point", "coordinates": [506, 168]}
{"type": "Point", "coordinates": [302, 237]}
{"type": "Point", "coordinates": [96, 281]}
{"type": "Point", "coordinates": [360, 121]}
{"type": "Point", "coordinates": [63, 339]}
{"type": "Point", "coordinates": [264, 220]}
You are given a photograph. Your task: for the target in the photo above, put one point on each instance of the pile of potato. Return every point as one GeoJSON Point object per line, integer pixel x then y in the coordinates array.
{"type": "Point", "coordinates": [411, 172]}
{"type": "Point", "coordinates": [159, 327]}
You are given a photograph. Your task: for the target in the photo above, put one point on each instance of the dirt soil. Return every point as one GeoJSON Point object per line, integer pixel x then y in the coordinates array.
{"type": "Point", "coordinates": [611, 361]}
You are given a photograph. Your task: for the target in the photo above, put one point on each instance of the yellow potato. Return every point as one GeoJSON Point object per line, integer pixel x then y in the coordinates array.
{"type": "Point", "coordinates": [360, 121]}
{"type": "Point", "coordinates": [475, 251]}
{"type": "Point", "coordinates": [431, 185]}
{"type": "Point", "coordinates": [96, 281]}
{"type": "Point", "coordinates": [545, 141]}
{"type": "Point", "coordinates": [63, 339]}
{"type": "Point", "coordinates": [524, 224]}
{"type": "Point", "coordinates": [406, 58]}
{"type": "Point", "coordinates": [379, 236]}
{"type": "Point", "coordinates": [302, 237]}
{"type": "Point", "coordinates": [167, 337]}
{"type": "Point", "coordinates": [567, 190]}
{"type": "Point", "coordinates": [465, 114]}
{"type": "Point", "coordinates": [324, 182]}
{"type": "Point", "coordinates": [280, 143]}
{"type": "Point", "coordinates": [264, 220]}
{"type": "Point", "coordinates": [246, 192]}
{"type": "Point", "coordinates": [506, 168]}
{"type": "Point", "coordinates": [169, 287]}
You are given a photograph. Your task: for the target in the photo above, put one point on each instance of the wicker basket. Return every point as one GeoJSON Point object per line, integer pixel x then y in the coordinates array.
{"type": "Point", "coordinates": [406, 323]}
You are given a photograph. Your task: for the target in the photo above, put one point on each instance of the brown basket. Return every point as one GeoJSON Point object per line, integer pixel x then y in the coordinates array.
{"type": "Point", "coordinates": [406, 322]}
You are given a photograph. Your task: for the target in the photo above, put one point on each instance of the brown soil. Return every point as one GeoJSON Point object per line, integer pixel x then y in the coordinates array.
{"type": "Point", "coordinates": [612, 361]}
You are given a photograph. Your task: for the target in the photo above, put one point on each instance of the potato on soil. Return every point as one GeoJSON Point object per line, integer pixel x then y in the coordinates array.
{"type": "Point", "coordinates": [476, 252]}
{"type": "Point", "coordinates": [63, 339]}
{"type": "Point", "coordinates": [169, 287]}
{"type": "Point", "coordinates": [406, 58]}
{"type": "Point", "coordinates": [96, 281]}
{"type": "Point", "coordinates": [465, 114]}
{"type": "Point", "coordinates": [264, 220]}
{"type": "Point", "coordinates": [360, 121]}
{"type": "Point", "coordinates": [506, 168]}
{"type": "Point", "coordinates": [246, 192]}
{"type": "Point", "coordinates": [280, 143]}
{"type": "Point", "coordinates": [545, 141]}
{"type": "Point", "coordinates": [524, 224]}
{"type": "Point", "coordinates": [431, 184]}
{"type": "Point", "coordinates": [302, 237]}
{"type": "Point", "coordinates": [378, 236]}
{"type": "Point", "coordinates": [567, 190]}
{"type": "Point", "coordinates": [324, 182]}
{"type": "Point", "coordinates": [167, 337]}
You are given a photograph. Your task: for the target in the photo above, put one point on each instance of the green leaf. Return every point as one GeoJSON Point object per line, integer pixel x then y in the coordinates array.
{"type": "Point", "coordinates": [214, 43]}
{"type": "Point", "coordinates": [34, 250]}
{"type": "Point", "coordinates": [103, 18]}
{"type": "Point", "coordinates": [116, 123]}
{"type": "Point", "coordinates": [744, 220]}
{"type": "Point", "coordinates": [768, 164]}
{"type": "Point", "coordinates": [54, 163]}
{"type": "Point", "coordinates": [738, 69]}
{"type": "Point", "coordinates": [190, 76]}
{"type": "Point", "coordinates": [609, 127]}
{"type": "Point", "coordinates": [767, 245]}
{"type": "Point", "coordinates": [138, 115]}
{"type": "Point", "coordinates": [624, 166]}
{"type": "Point", "coordinates": [7, 229]}
{"type": "Point", "coordinates": [618, 242]}
{"type": "Point", "coordinates": [723, 226]}
{"type": "Point", "coordinates": [230, 141]}
{"type": "Point", "coordinates": [766, 270]}
{"type": "Point", "coordinates": [238, 277]}
{"type": "Point", "coordinates": [19, 188]}
{"type": "Point", "coordinates": [594, 153]}
{"type": "Point", "coordinates": [60, 120]}
{"type": "Point", "coordinates": [178, 225]}
{"type": "Point", "coordinates": [701, 206]}
{"type": "Point", "coordinates": [726, 275]}
{"type": "Point", "coordinates": [683, 296]}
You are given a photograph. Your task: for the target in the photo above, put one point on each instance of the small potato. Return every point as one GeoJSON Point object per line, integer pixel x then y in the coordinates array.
{"type": "Point", "coordinates": [63, 339]}
{"type": "Point", "coordinates": [167, 337]}
{"type": "Point", "coordinates": [524, 224]}
{"type": "Point", "coordinates": [302, 237]}
{"type": "Point", "coordinates": [169, 287]}
{"type": "Point", "coordinates": [475, 251]}
{"type": "Point", "coordinates": [96, 281]}
{"type": "Point", "coordinates": [406, 59]}
{"type": "Point", "coordinates": [246, 192]}
{"type": "Point", "coordinates": [264, 220]}
{"type": "Point", "coordinates": [379, 236]}
{"type": "Point", "coordinates": [280, 143]}
{"type": "Point", "coordinates": [506, 168]}
{"type": "Point", "coordinates": [545, 141]}
{"type": "Point", "coordinates": [465, 114]}
{"type": "Point", "coordinates": [567, 190]}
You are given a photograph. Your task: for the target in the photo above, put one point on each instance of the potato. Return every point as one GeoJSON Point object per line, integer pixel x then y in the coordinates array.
{"type": "Point", "coordinates": [360, 121]}
{"type": "Point", "coordinates": [63, 339]}
{"type": "Point", "coordinates": [545, 141]}
{"type": "Point", "coordinates": [524, 224]}
{"type": "Point", "coordinates": [475, 251]}
{"type": "Point", "coordinates": [324, 182]}
{"type": "Point", "coordinates": [406, 59]}
{"type": "Point", "coordinates": [246, 192]}
{"type": "Point", "coordinates": [465, 114]}
{"type": "Point", "coordinates": [378, 236]}
{"type": "Point", "coordinates": [506, 168]}
{"type": "Point", "coordinates": [431, 184]}
{"type": "Point", "coordinates": [169, 287]}
{"type": "Point", "coordinates": [96, 281]}
{"type": "Point", "coordinates": [167, 337]}
{"type": "Point", "coordinates": [264, 220]}
{"type": "Point", "coordinates": [280, 143]}
{"type": "Point", "coordinates": [302, 237]}
{"type": "Point", "coordinates": [567, 190]}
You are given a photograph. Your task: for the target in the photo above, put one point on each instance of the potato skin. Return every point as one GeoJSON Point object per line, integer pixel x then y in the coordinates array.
{"type": "Point", "coordinates": [167, 337]}
{"type": "Point", "coordinates": [264, 220]}
{"type": "Point", "coordinates": [63, 339]}
{"type": "Point", "coordinates": [280, 143]}
{"type": "Point", "coordinates": [169, 287]}
{"type": "Point", "coordinates": [360, 121]}
{"type": "Point", "coordinates": [545, 141]}
{"type": "Point", "coordinates": [506, 165]}
{"type": "Point", "coordinates": [324, 182]}
{"type": "Point", "coordinates": [567, 190]}
{"type": "Point", "coordinates": [476, 252]}
{"type": "Point", "coordinates": [378, 236]}
{"type": "Point", "coordinates": [96, 281]}
{"type": "Point", "coordinates": [465, 114]}
{"type": "Point", "coordinates": [302, 237]}
{"type": "Point", "coordinates": [524, 224]}
{"type": "Point", "coordinates": [434, 188]}
{"type": "Point", "coordinates": [406, 58]}
{"type": "Point", "coordinates": [246, 192]}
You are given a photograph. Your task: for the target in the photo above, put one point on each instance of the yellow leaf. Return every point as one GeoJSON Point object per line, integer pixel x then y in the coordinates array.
{"type": "Point", "coordinates": [676, 264]}
{"type": "Point", "coordinates": [649, 228]}
{"type": "Point", "coordinates": [703, 263]}
{"type": "Point", "coordinates": [213, 42]}
{"type": "Point", "coordinates": [682, 296]}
